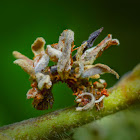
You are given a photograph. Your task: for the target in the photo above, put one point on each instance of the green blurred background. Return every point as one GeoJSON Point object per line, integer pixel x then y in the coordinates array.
{"type": "Point", "coordinates": [21, 22]}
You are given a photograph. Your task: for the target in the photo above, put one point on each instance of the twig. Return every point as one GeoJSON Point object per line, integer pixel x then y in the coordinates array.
{"type": "Point", "coordinates": [55, 125]}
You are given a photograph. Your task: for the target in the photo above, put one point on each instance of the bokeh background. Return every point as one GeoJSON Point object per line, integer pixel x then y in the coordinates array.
{"type": "Point", "coordinates": [21, 22]}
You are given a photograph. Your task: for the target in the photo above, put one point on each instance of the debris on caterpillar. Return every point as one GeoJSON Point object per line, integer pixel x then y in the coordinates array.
{"type": "Point", "coordinates": [74, 70]}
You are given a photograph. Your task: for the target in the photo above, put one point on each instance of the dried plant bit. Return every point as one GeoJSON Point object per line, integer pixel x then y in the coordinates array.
{"type": "Point", "coordinates": [39, 76]}
{"type": "Point", "coordinates": [65, 36]}
{"type": "Point", "coordinates": [100, 99]}
{"type": "Point", "coordinates": [87, 67]}
{"type": "Point", "coordinates": [96, 76]}
{"type": "Point", "coordinates": [89, 105]}
{"type": "Point", "coordinates": [98, 69]}
{"type": "Point", "coordinates": [26, 67]}
{"type": "Point", "coordinates": [105, 85]}
{"type": "Point", "coordinates": [53, 53]}
{"type": "Point", "coordinates": [41, 64]}
{"type": "Point", "coordinates": [78, 100]}
{"type": "Point", "coordinates": [98, 85]}
{"type": "Point", "coordinates": [90, 55]}
{"type": "Point", "coordinates": [109, 43]}
{"type": "Point", "coordinates": [68, 66]}
{"type": "Point", "coordinates": [40, 104]}
{"type": "Point", "coordinates": [102, 81]}
{"type": "Point", "coordinates": [39, 96]}
{"type": "Point", "coordinates": [61, 42]}
{"type": "Point", "coordinates": [104, 92]}
{"type": "Point", "coordinates": [46, 102]}
{"type": "Point", "coordinates": [34, 84]}
{"type": "Point", "coordinates": [80, 51]}
{"type": "Point", "coordinates": [93, 37]}
{"type": "Point", "coordinates": [37, 58]}
{"type": "Point", "coordinates": [90, 41]}
{"type": "Point", "coordinates": [38, 46]}
{"type": "Point", "coordinates": [79, 70]}
{"type": "Point", "coordinates": [55, 46]}
{"type": "Point", "coordinates": [63, 65]}
{"type": "Point", "coordinates": [32, 93]}
{"type": "Point", "coordinates": [43, 81]}
{"type": "Point", "coordinates": [18, 55]}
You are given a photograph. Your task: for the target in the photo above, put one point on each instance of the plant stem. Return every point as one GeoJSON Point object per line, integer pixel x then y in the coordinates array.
{"type": "Point", "coordinates": [55, 125]}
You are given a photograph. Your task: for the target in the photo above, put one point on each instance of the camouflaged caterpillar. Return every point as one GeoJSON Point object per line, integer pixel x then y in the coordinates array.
{"type": "Point", "coordinates": [74, 70]}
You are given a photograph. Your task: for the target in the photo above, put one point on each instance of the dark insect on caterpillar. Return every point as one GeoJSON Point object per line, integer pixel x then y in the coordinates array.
{"type": "Point", "coordinates": [74, 70]}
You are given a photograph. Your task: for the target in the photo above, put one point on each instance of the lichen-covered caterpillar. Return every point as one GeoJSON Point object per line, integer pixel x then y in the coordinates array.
{"type": "Point", "coordinates": [74, 70]}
